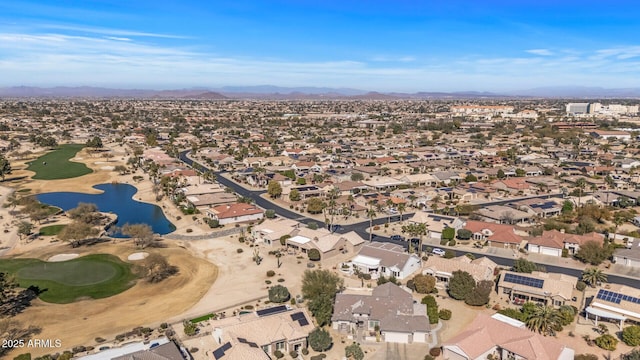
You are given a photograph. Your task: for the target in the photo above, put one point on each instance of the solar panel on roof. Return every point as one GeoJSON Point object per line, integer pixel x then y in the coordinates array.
{"type": "Point", "coordinates": [219, 352]}
{"type": "Point", "coordinates": [300, 318]}
{"type": "Point", "coordinates": [272, 310]}
{"type": "Point", "coordinates": [523, 280]}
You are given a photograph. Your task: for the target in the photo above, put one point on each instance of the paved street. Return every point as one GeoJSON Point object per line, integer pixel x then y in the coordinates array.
{"type": "Point", "coordinates": [504, 257]}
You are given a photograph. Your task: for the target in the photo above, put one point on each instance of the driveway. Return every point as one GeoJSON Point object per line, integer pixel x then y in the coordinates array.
{"type": "Point", "coordinates": [395, 351]}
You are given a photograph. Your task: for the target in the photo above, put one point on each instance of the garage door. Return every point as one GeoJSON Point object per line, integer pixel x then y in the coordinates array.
{"type": "Point", "coordinates": [553, 252]}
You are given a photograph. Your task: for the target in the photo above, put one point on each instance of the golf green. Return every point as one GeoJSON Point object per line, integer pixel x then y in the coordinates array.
{"type": "Point", "coordinates": [93, 276]}
{"type": "Point", "coordinates": [56, 165]}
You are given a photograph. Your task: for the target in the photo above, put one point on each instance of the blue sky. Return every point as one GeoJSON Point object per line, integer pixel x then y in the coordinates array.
{"type": "Point", "coordinates": [374, 45]}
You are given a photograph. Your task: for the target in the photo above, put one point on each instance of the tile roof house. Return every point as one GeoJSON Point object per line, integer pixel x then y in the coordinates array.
{"type": "Point", "coordinates": [553, 242]}
{"type": "Point", "coordinates": [442, 269]}
{"type": "Point", "coordinates": [496, 235]}
{"type": "Point", "coordinates": [235, 213]}
{"type": "Point", "coordinates": [551, 289]}
{"type": "Point", "coordinates": [255, 335]}
{"type": "Point", "coordinates": [488, 336]}
{"type": "Point", "coordinates": [385, 259]}
{"type": "Point", "coordinates": [629, 256]}
{"type": "Point", "coordinates": [389, 308]}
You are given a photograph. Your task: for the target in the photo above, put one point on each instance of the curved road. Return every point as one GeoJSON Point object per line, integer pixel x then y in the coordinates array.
{"type": "Point", "coordinates": [361, 228]}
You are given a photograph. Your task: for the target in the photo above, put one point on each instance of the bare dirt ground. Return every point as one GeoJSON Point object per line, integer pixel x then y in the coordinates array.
{"type": "Point", "coordinates": [81, 322]}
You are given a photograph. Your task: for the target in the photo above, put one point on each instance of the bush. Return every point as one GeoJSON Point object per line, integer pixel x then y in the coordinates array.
{"type": "Point", "coordinates": [354, 351]}
{"type": "Point", "coordinates": [444, 241]}
{"type": "Point", "coordinates": [278, 354]}
{"type": "Point", "coordinates": [581, 285]}
{"type": "Point", "coordinates": [271, 273]}
{"type": "Point", "coordinates": [444, 314]}
{"type": "Point", "coordinates": [100, 340]}
{"type": "Point", "coordinates": [631, 335]}
{"type": "Point", "coordinates": [293, 354]}
{"type": "Point", "coordinates": [314, 254]}
{"type": "Point", "coordinates": [585, 357]}
{"type": "Point", "coordinates": [190, 328]}
{"type": "Point", "coordinates": [318, 357]}
{"type": "Point", "coordinates": [270, 214]}
{"type": "Point", "coordinates": [279, 294]}
{"type": "Point", "coordinates": [435, 352]}
{"type": "Point", "coordinates": [452, 242]}
{"type": "Point", "coordinates": [189, 230]}
{"type": "Point", "coordinates": [193, 350]}
{"type": "Point", "coordinates": [305, 351]}
{"type": "Point", "coordinates": [312, 226]}
{"type": "Point", "coordinates": [432, 308]}
{"type": "Point", "coordinates": [320, 340]}
{"type": "Point", "coordinates": [428, 357]}
{"type": "Point", "coordinates": [239, 251]}
{"type": "Point", "coordinates": [449, 254]}
{"type": "Point", "coordinates": [606, 342]}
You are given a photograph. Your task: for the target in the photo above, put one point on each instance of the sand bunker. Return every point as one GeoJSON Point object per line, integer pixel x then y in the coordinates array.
{"type": "Point", "coordinates": [107, 167]}
{"type": "Point", "coordinates": [137, 256]}
{"type": "Point", "coordinates": [62, 257]}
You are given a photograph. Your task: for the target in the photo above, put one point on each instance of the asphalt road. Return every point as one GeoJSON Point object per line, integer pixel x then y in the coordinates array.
{"type": "Point", "coordinates": [360, 228]}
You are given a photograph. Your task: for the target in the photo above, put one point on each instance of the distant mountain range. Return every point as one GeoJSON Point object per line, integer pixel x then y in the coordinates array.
{"type": "Point", "coordinates": [269, 92]}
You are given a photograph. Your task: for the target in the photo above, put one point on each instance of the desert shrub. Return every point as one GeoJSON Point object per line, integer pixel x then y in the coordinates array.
{"type": "Point", "coordinates": [631, 335]}
{"type": "Point", "coordinates": [606, 342]}
{"type": "Point", "coordinates": [435, 352]}
{"type": "Point", "coordinates": [581, 285]}
{"type": "Point", "coordinates": [314, 254]}
{"type": "Point", "coordinates": [239, 251]}
{"type": "Point", "coordinates": [271, 273]}
{"type": "Point", "coordinates": [278, 354]}
{"type": "Point", "coordinates": [444, 314]}
{"type": "Point", "coordinates": [585, 357]}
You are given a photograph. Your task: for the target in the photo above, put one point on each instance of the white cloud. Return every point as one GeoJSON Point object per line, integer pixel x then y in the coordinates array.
{"type": "Point", "coordinates": [540, 52]}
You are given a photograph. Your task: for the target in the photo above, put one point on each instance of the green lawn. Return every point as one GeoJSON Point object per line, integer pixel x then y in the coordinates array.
{"type": "Point", "coordinates": [51, 230]}
{"type": "Point", "coordinates": [56, 165]}
{"type": "Point", "coordinates": [94, 276]}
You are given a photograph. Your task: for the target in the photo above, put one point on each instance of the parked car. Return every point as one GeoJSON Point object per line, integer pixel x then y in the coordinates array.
{"type": "Point", "coordinates": [397, 237]}
{"type": "Point", "coordinates": [438, 251]}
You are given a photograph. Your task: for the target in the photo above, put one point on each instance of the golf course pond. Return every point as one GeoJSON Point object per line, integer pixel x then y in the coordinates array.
{"type": "Point", "coordinates": [117, 199]}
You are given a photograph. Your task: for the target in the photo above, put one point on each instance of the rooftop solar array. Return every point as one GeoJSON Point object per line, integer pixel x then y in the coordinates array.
{"type": "Point", "coordinates": [523, 280]}
{"type": "Point", "coordinates": [244, 341]}
{"type": "Point", "coordinates": [615, 297]}
{"type": "Point", "coordinates": [272, 310]}
{"type": "Point", "coordinates": [300, 318]}
{"type": "Point", "coordinates": [219, 352]}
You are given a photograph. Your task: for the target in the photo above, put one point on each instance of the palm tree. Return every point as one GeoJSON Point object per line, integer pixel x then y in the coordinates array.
{"type": "Point", "coordinates": [593, 275]}
{"type": "Point", "coordinates": [401, 209]}
{"type": "Point", "coordinates": [580, 184]}
{"type": "Point", "coordinates": [417, 230]}
{"type": "Point", "coordinates": [545, 320]}
{"type": "Point", "coordinates": [389, 205]}
{"type": "Point", "coordinates": [371, 213]}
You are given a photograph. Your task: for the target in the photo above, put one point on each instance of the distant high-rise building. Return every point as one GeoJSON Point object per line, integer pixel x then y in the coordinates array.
{"type": "Point", "coordinates": [577, 108]}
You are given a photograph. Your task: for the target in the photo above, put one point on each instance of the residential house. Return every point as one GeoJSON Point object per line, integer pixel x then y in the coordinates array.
{"type": "Point", "coordinates": [235, 213]}
{"type": "Point", "coordinates": [258, 334]}
{"type": "Point", "coordinates": [550, 289]}
{"type": "Point", "coordinates": [272, 230]}
{"type": "Point", "coordinates": [501, 214]}
{"type": "Point", "coordinates": [495, 235]}
{"type": "Point", "coordinates": [205, 201]}
{"type": "Point", "coordinates": [629, 256]}
{"type": "Point", "coordinates": [505, 339]}
{"type": "Point", "coordinates": [158, 349]}
{"type": "Point", "coordinates": [442, 269]}
{"type": "Point", "coordinates": [436, 223]}
{"type": "Point", "coordinates": [553, 242]}
{"type": "Point", "coordinates": [388, 308]}
{"type": "Point", "coordinates": [541, 208]}
{"type": "Point", "coordinates": [616, 302]}
{"type": "Point", "coordinates": [327, 243]}
{"type": "Point", "coordinates": [386, 259]}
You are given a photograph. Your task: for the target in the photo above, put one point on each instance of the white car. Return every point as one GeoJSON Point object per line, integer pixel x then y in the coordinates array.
{"type": "Point", "coordinates": [438, 251]}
